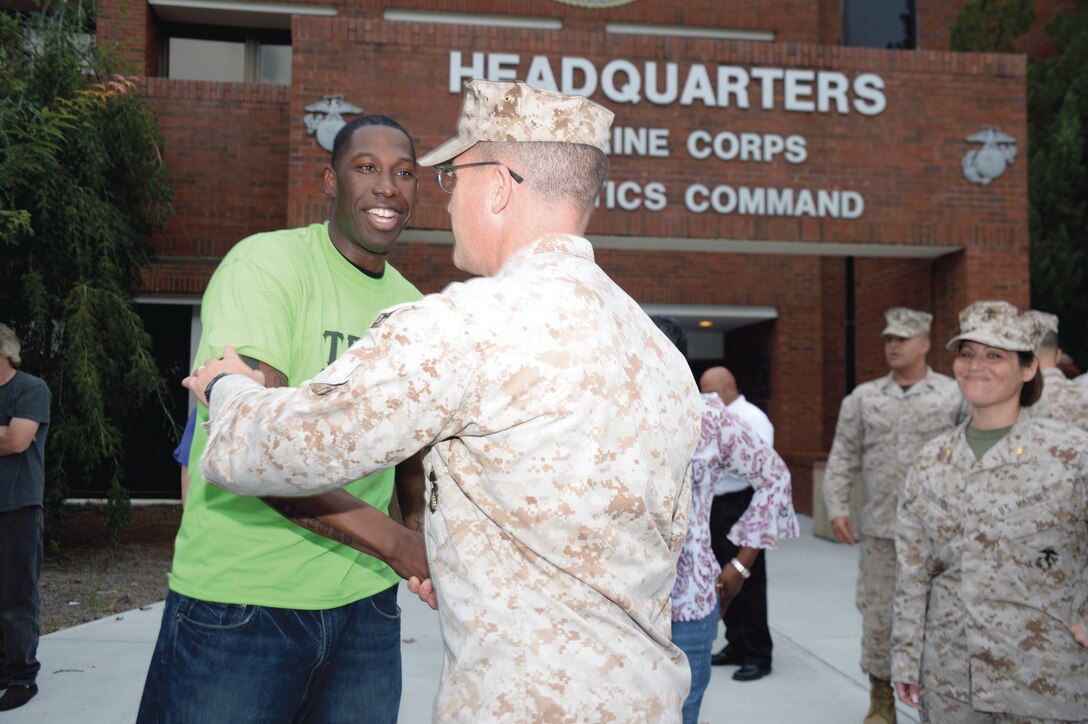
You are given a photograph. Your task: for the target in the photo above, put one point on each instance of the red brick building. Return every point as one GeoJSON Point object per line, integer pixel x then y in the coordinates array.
{"type": "Point", "coordinates": [766, 179]}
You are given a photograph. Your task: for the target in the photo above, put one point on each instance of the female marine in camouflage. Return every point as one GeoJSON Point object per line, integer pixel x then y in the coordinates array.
{"type": "Point", "coordinates": [992, 545]}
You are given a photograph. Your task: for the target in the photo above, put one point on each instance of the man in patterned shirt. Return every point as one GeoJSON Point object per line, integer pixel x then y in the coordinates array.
{"type": "Point", "coordinates": [559, 421]}
{"type": "Point", "coordinates": [747, 635]}
{"type": "Point", "coordinates": [728, 446]}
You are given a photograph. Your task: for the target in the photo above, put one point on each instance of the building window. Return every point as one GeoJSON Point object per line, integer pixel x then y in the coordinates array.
{"type": "Point", "coordinates": [879, 24]}
{"type": "Point", "coordinates": [229, 55]}
{"type": "Point", "coordinates": [274, 64]}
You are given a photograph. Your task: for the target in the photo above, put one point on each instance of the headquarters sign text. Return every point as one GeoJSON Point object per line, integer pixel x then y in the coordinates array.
{"type": "Point", "coordinates": [720, 86]}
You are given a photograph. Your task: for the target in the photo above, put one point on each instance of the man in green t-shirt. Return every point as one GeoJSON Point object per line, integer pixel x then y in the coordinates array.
{"type": "Point", "coordinates": [278, 609]}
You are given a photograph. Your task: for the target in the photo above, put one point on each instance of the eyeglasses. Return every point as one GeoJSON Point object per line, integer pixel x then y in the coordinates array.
{"type": "Point", "coordinates": [447, 179]}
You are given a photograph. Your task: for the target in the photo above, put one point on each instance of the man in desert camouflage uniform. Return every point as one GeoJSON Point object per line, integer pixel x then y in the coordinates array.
{"type": "Point", "coordinates": [881, 426]}
{"type": "Point", "coordinates": [992, 588]}
{"type": "Point", "coordinates": [1062, 400]}
{"type": "Point", "coordinates": [560, 424]}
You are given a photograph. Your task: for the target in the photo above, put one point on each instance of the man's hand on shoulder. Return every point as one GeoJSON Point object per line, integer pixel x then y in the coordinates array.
{"type": "Point", "coordinates": [272, 376]}
{"type": "Point", "coordinates": [229, 364]}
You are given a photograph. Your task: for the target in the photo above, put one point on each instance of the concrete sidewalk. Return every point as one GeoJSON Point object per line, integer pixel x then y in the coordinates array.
{"type": "Point", "coordinates": [94, 673]}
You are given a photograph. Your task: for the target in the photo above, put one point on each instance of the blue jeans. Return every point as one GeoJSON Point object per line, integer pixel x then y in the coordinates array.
{"type": "Point", "coordinates": [695, 639]}
{"type": "Point", "coordinates": [232, 663]}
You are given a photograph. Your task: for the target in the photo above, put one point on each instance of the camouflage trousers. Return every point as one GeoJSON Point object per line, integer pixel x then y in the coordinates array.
{"type": "Point", "coordinates": [937, 709]}
{"type": "Point", "coordinates": [876, 590]}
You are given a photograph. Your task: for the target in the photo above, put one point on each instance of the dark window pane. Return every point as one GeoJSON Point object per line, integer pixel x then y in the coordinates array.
{"type": "Point", "coordinates": [878, 23]}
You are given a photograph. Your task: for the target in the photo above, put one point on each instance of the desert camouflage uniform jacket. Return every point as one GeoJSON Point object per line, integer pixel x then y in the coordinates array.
{"type": "Point", "coordinates": [1062, 400]}
{"type": "Point", "coordinates": [993, 569]}
{"type": "Point", "coordinates": [879, 433]}
{"type": "Point", "coordinates": [561, 424]}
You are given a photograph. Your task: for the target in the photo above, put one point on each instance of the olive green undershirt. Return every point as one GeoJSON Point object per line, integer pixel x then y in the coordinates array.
{"type": "Point", "coordinates": [982, 440]}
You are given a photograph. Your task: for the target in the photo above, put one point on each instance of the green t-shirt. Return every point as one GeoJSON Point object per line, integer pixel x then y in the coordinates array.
{"type": "Point", "coordinates": [980, 441]}
{"type": "Point", "coordinates": [290, 299]}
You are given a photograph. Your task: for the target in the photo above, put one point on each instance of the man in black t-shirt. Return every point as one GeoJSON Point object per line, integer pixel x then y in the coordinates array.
{"type": "Point", "coordinates": [24, 422]}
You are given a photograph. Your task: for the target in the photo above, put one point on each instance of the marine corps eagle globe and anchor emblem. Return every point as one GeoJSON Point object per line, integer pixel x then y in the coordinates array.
{"type": "Point", "coordinates": [983, 165]}
{"type": "Point", "coordinates": [325, 119]}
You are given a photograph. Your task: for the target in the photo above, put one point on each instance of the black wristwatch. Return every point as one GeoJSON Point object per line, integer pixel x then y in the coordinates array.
{"type": "Point", "coordinates": [208, 389]}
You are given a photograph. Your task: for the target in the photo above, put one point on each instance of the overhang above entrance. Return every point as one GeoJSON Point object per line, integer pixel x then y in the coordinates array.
{"type": "Point", "coordinates": [874, 249]}
{"type": "Point", "coordinates": [767, 246]}
{"type": "Point", "coordinates": [712, 317]}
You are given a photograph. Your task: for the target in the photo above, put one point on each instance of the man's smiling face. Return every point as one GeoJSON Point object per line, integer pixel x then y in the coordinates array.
{"type": "Point", "coordinates": [374, 187]}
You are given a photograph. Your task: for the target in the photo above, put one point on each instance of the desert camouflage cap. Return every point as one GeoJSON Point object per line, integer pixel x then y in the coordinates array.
{"type": "Point", "coordinates": [906, 323]}
{"type": "Point", "coordinates": [1048, 321]}
{"type": "Point", "coordinates": [998, 324]}
{"type": "Point", "coordinates": [515, 112]}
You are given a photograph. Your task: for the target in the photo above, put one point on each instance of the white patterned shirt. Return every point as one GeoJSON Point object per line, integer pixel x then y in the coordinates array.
{"type": "Point", "coordinates": [729, 446]}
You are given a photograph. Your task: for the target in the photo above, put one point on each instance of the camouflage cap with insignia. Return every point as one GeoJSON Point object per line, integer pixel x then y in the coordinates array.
{"type": "Point", "coordinates": [998, 324]}
{"type": "Point", "coordinates": [906, 323]}
{"type": "Point", "coordinates": [516, 112]}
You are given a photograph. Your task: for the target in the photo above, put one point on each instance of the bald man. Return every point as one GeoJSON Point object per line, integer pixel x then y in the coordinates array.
{"type": "Point", "coordinates": [747, 636]}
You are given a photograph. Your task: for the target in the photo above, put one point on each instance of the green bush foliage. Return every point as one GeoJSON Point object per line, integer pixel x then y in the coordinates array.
{"type": "Point", "coordinates": [82, 189]}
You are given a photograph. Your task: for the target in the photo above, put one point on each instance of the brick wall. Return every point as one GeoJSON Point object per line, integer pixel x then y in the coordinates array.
{"type": "Point", "coordinates": [226, 151]}
{"type": "Point", "coordinates": [884, 283]}
{"type": "Point", "coordinates": [129, 27]}
{"type": "Point", "coordinates": [791, 20]}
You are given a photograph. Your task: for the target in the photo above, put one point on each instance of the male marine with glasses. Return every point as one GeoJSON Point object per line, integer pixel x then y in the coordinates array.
{"type": "Point", "coordinates": [559, 424]}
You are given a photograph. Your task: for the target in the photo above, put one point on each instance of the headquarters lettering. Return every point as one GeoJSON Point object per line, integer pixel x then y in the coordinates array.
{"type": "Point", "coordinates": [722, 86]}
{"type": "Point", "coordinates": [797, 90]}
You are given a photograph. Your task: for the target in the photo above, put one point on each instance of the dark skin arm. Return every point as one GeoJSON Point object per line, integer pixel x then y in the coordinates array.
{"type": "Point", "coordinates": [341, 517]}
{"type": "Point", "coordinates": [730, 580]}
{"type": "Point", "coordinates": [410, 491]}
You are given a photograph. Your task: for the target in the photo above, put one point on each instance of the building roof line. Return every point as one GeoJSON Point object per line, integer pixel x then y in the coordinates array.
{"type": "Point", "coordinates": [733, 246]}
